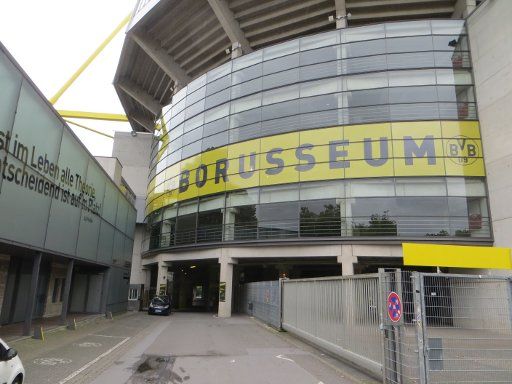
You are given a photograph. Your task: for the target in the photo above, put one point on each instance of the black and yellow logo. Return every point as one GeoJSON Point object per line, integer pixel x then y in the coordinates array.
{"type": "Point", "coordinates": [462, 150]}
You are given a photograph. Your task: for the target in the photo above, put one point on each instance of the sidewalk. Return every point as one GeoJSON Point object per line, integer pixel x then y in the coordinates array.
{"type": "Point", "coordinates": [14, 332]}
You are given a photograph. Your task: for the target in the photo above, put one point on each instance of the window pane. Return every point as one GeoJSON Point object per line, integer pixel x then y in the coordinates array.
{"type": "Point", "coordinates": [409, 44]}
{"type": "Point", "coordinates": [366, 48]}
{"type": "Point", "coordinates": [246, 103]}
{"type": "Point", "coordinates": [412, 94]}
{"type": "Point", "coordinates": [366, 81]}
{"type": "Point", "coordinates": [322, 190]}
{"type": "Point", "coordinates": [363, 188]}
{"type": "Point", "coordinates": [186, 229]}
{"type": "Point", "coordinates": [319, 218]}
{"type": "Point", "coordinates": [279, 50]}
{"type": "Point", "coordinates": [409, 28]}
{"type": "Point", "coordinates": [458, 186]}
{"type": "Point", "coordinates": [281, 64]}
{"type": "Point", "coordinates": [280, 193]}
{"type": "Point", "coordinates": [363, 33]}
{"type": "Point", "coordinates": [280, 94]}
{"type": "Point", "coordinates": [409, 78]}
{"type": "Point", "coordinates": [243, 197]}
{"type": "Point", "coordinates": [320, 55]}
{"type": "Point", "coordinates": [421, 187]}
{"type": "Point", "coordinates": [279, 220]}
{"type": "Point", "coordinates": [319, 40]}
{"type": "Point", "coordinates": [247, 60]}
{"type": "Point", "coordinates": [209, 226]}
{"type": "Point", "coordinates": [320, 87]}
{"type": "Point", "coordinates": [457, 77]}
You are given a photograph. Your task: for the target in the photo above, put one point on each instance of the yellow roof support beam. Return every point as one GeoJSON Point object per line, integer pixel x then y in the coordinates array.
{"type": "Point", "coordinates": [89, 129]}
{"type": "Point", "coordinates": [459, 256]}
{"type": "Point", "coordinates": [93, 115]}
{"type": "Point", "coordinates": [91, 58]}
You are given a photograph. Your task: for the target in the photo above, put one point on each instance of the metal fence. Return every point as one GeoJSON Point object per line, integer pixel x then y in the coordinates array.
{"type": "Point", "coordinates": [263, 301]}
{"type": "Point", "coordinates": [408, 327]}
{"type": "Point", "coordinates": [339, 314]}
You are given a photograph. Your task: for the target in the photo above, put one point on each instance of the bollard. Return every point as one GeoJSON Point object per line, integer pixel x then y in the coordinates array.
{"type": "Point", "coordinates": [109, 316]}
{"type": "Point", "coordinates": [38, 333]}
{"type": "Point", "coordinates": [72, 325]}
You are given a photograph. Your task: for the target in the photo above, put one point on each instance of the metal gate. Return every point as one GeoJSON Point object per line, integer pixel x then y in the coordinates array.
{"type": "Point", "coordinates": [446, 328]}
{"type": "Point", "coordinates": [263, 301]}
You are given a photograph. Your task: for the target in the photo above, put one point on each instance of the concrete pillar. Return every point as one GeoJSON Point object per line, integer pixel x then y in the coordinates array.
{"type": "Point", "coordinates": [236, 50]}
{"type": "Point", "coordinates": [341, 14]}
{"type": "Point", "coordinates": [67, 289]}
{"type": "Point", "coordinates": [104, 290]}
{"type": "Point", "coordinates": [32, 294]}
{"type": "Point", "coordinates": [161, 280]}
{"type": "Point", "coordinates": [225, 286]}
{"type": "Point", "coordinates": [347, 260]}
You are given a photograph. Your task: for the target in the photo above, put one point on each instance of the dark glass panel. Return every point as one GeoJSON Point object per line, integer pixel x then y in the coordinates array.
{"type": "Point", "coordinates": [320, 218]}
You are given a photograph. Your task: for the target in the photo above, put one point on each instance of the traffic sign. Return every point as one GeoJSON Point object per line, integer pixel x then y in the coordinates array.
{"type": "Point", "coordinates": [394, 305]}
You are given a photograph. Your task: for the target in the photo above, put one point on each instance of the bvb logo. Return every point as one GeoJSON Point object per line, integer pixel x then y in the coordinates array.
{"type": "Point", "coordinates": [462, 150]}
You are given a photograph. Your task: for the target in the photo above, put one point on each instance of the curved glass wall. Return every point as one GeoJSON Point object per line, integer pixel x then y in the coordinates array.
{"type": "Point", "coordinates": [383, 101]}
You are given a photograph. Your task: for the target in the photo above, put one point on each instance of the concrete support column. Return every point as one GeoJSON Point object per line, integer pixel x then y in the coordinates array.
{"type": "Point", "coordinates": [341, 14]}
{"type": "Point", "coordinates": [347, 260]}
{"type": "Point", "coordinates": [161, 280]}
{"type": "Point", "coordinates": [32, 294]}
{"type": "Point", "coordinates": [236, 50]}
{"type": "Point", "coordinates": [225, 286]}
{"type": "Point", "coordinates": [67, 289]}
{"type": "Point", "coordinates": [104, 290]}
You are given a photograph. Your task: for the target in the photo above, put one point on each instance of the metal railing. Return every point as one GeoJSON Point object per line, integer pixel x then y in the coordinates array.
{"type": "Point", "coordinates": [398, 226]}
{"type": "Point", "coordinates": [262, 300]}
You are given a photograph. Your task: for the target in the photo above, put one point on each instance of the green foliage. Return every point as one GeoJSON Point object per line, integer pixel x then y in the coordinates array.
{"type": "Point", "coordinates": [378, 225]}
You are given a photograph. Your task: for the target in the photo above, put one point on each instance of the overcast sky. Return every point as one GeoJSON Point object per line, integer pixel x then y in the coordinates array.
{"type": "Point", "coordinates": [51, 39]}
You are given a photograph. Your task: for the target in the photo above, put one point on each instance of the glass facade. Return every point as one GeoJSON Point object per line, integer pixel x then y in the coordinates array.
{"type": "Point", "coordinates": [54, 196]}
{"type": "Point", "coordinates": [368, 131]}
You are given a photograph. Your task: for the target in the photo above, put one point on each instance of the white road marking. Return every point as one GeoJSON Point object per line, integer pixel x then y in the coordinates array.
{"type": "Point", "coordinates": [49, 361]}
{"type": "Point", "coordinates": [116, 337]}
{"type": "Point", "coordinates": [88, 344]}
{"type": "Point", "coordinates": [284, 358]}
{"type": "Point", "coordinates": [77, 372]}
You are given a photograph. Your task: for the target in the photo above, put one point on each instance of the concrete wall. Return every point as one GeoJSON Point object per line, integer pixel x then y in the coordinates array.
{"type": "Point", "coordinates": [138, 275]}
{"type": "Point", "coordinates": [4, 272]}
{"type": "Point", "coordinates": [490, 31]}
{"type": "Point", "coordinates": [112, 166]}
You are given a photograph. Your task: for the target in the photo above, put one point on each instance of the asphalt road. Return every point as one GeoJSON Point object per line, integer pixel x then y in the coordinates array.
{"type": "Point", "coordinates": [185, 348]}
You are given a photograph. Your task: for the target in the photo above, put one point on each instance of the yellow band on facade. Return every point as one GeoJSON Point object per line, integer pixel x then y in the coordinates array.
{"type": "Point", "coordinates": [431, 148]}
{"type": "Point", "coordinates": [436, 255]}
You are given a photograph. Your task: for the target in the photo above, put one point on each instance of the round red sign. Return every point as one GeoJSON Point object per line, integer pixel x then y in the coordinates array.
{"type": "Point", "coordinates": [394, 304]}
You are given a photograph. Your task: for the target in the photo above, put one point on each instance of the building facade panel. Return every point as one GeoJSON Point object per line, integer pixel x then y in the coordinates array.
{"type": "Point", "coordinates": [368, 131]}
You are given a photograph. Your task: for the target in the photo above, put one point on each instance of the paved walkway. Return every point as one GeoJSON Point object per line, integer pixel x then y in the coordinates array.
{"type": "Point", "coordinates": [184, 348]}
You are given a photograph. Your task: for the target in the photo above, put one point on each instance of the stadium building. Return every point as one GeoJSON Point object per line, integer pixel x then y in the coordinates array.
{"type": "Point", "coordinates": [312, 138]}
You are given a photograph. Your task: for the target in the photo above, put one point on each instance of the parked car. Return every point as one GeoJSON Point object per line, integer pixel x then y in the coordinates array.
{"type": "Point", "coordinates": [11, 368]}
{"type": "Point", "coordinates": [160, 305]}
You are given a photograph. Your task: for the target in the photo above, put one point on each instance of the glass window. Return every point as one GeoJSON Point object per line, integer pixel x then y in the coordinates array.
{"type": "Point", "coordinates": [365, 97]}
{"type": "Point", "coordinates": [280, 125]}
{"type": "Point", "coordinates": [246, 88]}
{"type": "Point", "coordinates": [191, 149]}
{"type": "Point", "coordinates": [409, 78]}
{"type": "Point", "coordinates": [217, 98]}
{"type": "Point", "coordinates": [170, 212]}
{"type": "Point", "coordinates": [243, 197]}
{"type": "Point", "coordinates": [412, 94]}
{"type": "Point", "coordinates": [447, 27]}
{"type": "Point", "coordinates": [280, 94]}
{"type": "Point", "coordinates": [320, 40]}
{"type": "Point", "coordinates": [321, 119]}
{"type": "Point", "coordinates": [369, 32]}
{"type": "Point", "coordinates": [216, 126]}
{"type": "Point", "coordinates": [356, 115]}
{"type": "Point", "coordinates": [414, 111]}
{"type": "Point", "coordinates": [194, 109]}
{"type": "Point", "coordinates": [196, 84]}
{"type": "Point", "coordinates": [320, 218]}
{"type": "Point", "coordinates": [457, 77]}
{"type": "Point", "coordinates": [246, 103]}
{"type": "Point", "coordinates": [452, 59]}
{"type": "Point", "coordinates": [211, 203]}
{"type": "Point", "coordinates": [366, 81]}
{"type": "Point", "coordinates": [459, 186]}
{"type": "Point", "coordinates": [364, 64]}
{"type": "Point", "coordinates": [280, 64]}
{"type": "Point", "coordinates": [194, 123]}
{"type": "Point", "coordinates": [279, 50]}
{"type": "Point", "coordinates": [278, 220]}
{"type": "Point", "coordinates": [420, 187]}
{"type": "Point", "coordinates": [247, 60]}
{"type": "Point", "coordinates": [196, 96]}
{"type": "Point", "coordinates": [366, 48]}
{"type": "Point", "coordinates": [215, 141]}
{"type": "Point", "coordinates": [192, 136]}
{"type": "Point", "coordinates": [317, 71]}
{"type": "Point", "coordinates": [279, 193]}
{"type": "Point", "coordinates": [176, 132]}
{"type": "Point", "coordinates": [180, 95]}
{"type": "Point", "coordinates": [247, 132]}
{"type": "Point", "coordinates": [275, 111]}
{"type": "Point", "coordinates": [218, 85]}
{"type": "Point", "coordinates": [186, 229]}
{"type": "Point", "coordinates": [410, 60]}
{"type": "Point", "coordinates": [216, 113]}
{"type": "Point", "coordinates": [244, 118]}
{"type": "Point", "coordinates": [281, 78]}
{"type": "Point", "coordinates": [176, 120]}
{"type": "Point", "coordinates": [322, 190]}
{"type": "Point", "coordinates": [241, 223]}
{"type": "Point", "coordinates": [319, 103]}
{"type": "Point", "coordinates": [366, 188]}
{"type": "Point", "coordinates": [320, 87]}
{"type": "Point", "coordinates": [458, 93]}
{"type": "Point", "coordinates": [247, 74]}
{"type": "Point", "coordinates": [409, 44]}
{"type": "Point", "coordinates": [408, 28]}
{"type": "Point", "coordinates": [218, 72]}
{"type": "Point", "coordinates": [209, 226]}
{"type": "Point", "coordinates": [188, 207]}
{"type": "Point", "coordinates": [451, 43]}
{"type": "Point", "coordinates": [320, 55]}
